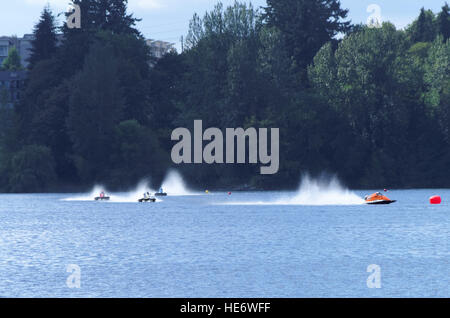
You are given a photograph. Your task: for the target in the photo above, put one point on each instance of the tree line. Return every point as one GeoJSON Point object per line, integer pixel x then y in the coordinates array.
{"type": "Point", "coordinates": [368, 104]}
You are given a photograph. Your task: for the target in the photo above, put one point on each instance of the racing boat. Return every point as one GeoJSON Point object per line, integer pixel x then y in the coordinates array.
{"type": "Point", "coordinates": [378, 198]}
{"type": "Point", "coordinates": [102, 197]}
{"type": "Point", "coordinates": [147, 198]}
{"type": "Point", "coordinates": [161, 193]}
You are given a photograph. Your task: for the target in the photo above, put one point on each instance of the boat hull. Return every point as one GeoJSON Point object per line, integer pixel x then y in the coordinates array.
{"type": "Point", "coordinates": [379, 202]}
{"type": "Point", "coordinates": [102, 199]}
{"type": "Point", "coordinates": [147, 200]}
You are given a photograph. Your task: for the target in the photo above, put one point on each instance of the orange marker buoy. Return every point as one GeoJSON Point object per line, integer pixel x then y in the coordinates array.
{"type": "Point", "coordinates": [435, 200]}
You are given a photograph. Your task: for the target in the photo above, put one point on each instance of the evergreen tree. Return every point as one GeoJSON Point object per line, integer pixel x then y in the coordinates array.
{"type": "Point", "coordinates": [423, 29]}
{"type": "Point", "coordinates": [95, 108]}
{"type": "Point", "coordinates": [443, 22]}
{"type": "Point", "coordinates": [109, 16]}
{"type": "Point", "coordinates": [112, 15]}
{"type": "Point", "coordinates": [45, 40]}
{"type": "Point", "coordinates": [306, 25]}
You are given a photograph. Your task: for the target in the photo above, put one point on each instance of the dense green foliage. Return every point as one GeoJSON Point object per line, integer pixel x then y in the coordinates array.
{"type": "Point", "coordinates": [31, 169]}
{"type": "Point", "coordinates": [306, 26]}
{"type": "Point", "coordinates": [372, 107]}
{"type": "Point", "coordinates": [12, 62]}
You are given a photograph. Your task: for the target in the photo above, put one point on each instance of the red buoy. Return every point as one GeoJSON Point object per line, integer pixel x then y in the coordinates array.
{"type": "Point", "coordinates": [435, 200]}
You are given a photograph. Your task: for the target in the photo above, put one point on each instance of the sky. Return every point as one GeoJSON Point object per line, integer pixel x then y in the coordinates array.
{"type": "Point", "coordinates": [168, 20]}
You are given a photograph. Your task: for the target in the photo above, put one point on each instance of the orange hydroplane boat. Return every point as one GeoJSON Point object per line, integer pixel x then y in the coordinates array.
{"type": "Point", "coordinates": [378, 198]}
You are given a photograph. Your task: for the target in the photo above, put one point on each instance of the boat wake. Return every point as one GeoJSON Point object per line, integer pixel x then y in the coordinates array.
{"type": "Point", "coordinates": [87, 197]}
{"type": "Point", "coordinates": [134, 195]}
{"type": "Point", "coordinates": [123, 197]}
{"type": "Point", "coordinates": [323, 192]}
{"type": "Point", "coordinates": [314, 192]}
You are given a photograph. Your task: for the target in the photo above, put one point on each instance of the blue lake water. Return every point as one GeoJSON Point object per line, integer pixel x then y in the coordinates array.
{"type": "Point", "coordinates": [249, 244]}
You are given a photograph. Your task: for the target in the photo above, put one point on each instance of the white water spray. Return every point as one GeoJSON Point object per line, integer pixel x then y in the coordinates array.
{"type": "Point", "coordinates": [323, 192]}
{"type": "Point", "coordinates": [134, 195]}
{"type": "Point", "coordinates": [174, 185]}
{"type": "Point", "coordinates": [314, 192]}
{"type": "Point", "coordinates": [88, 197]}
